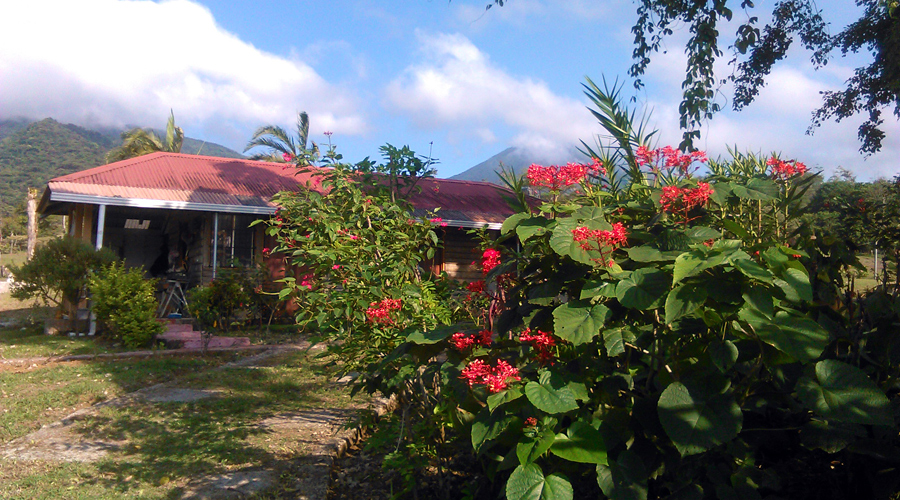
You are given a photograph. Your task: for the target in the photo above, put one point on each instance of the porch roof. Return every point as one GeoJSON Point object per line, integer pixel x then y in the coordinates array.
{"type": "Point", "coordinates": [204, 183]}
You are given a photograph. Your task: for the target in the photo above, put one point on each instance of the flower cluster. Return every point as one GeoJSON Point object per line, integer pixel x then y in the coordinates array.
{"type": "Point", "coordinates": [677, 199]}
{"type": "Point", "coordinates": [307, 281]}
{"type": "Point", "coordinates": [604, 241]}
{"type": "Point", "coordinates": [380, 312]}
{"type": "Point", "coordinates": [495, 378]}
{"type": "Point", "coordinates": [489, 260]}
{"type": "Point", "coordinates": [784, 169]}
{"type": "Point", "coordinates": [556, 177]}
{"type": "Point", "coordinates": [541, 342]}
{"type": "Point", "coordinates": [438, 221]}
{"type": "Point", "coordinates": [464, 341]}
{"type": "Point", "coordinates": [668, 157]}
{"type": "Point", "coordinates": [287, 157]}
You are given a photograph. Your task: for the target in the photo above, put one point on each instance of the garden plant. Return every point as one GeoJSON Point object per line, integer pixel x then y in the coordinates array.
{"type": "Point", "coordinates": [654, 334]}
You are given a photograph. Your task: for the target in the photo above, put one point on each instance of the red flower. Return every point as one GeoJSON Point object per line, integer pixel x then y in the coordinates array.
{"type": "Point", "coordinates": [380, 312]}
{"type": "Point", "coordinates": [287, 157]}
{"type": "Point", "coordinates": [601, 240]}
{"type": "Point", "coordinates": [530, 422]}
{"type": "Point", "coordinates": [496, 378]}
{"type": "Point", "coordinates": [463, 341]}
{"type": "Point", "coordinates": [785, 169]}
{"type": "Point", "coordinates": [556, 177]}
{"type": "Point", "coordinates": [476, 287]}
{"type": "Point", "coordinates": [541, 342]}
{"type": "Point", "coordinates": [489, 260]}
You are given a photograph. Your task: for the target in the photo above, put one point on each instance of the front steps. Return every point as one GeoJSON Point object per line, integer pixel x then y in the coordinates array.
{"type": "Point", "coordinates": [180, 334]}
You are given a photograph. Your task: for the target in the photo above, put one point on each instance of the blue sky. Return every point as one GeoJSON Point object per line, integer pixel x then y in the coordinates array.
{"type": "Point", "coordinates": [411, 72]}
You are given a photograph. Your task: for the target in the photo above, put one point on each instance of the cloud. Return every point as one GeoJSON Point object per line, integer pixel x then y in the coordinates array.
{"type": "Point", "coordinates": [116, 62]}
{"type": "Point", "coordinates": [458, 86]}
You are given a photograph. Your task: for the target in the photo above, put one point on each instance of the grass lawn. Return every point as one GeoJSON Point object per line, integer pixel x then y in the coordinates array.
{"type": "Point", "coordinates": [165, 444]}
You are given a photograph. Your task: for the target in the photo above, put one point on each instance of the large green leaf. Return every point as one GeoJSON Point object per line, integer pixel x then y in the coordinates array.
{"type": "Point", "coordinates": [563, 242]}
{"type": "Point", "coordinates": [752, 270]}
{"type": "Point", "coordinates": [535, 226]}
{"type": "Point", "coordinates": [791, 333]}
{"type": "Point", "coordinates": [757, 189]}
{"type": "Point", "coordinates": [684, 300]}
{"type": "Point", "coordinates": [581, 443]}
{"type": "Point", "coordinates": [723, 354]}
{"type": "Point", "coordinates": [527, 482]}
{"type": "Point", "coordinates": [844, 393]}
{"type": "Point", "coordinates": [512, 221]}
{"type": "Point", "coordinates": [646, 288]}
{"type": "Point", "coordinates": [487, 426]}
{"type": "Point", "coordinates": [615, 338]}
{"type": "Point", "coordinates": [578, 321]}
{"type": "Point", "coordinates": [597, 288]}
{"type": "Point", "coordinates": [760, 299]}
{"type": "Point", "coordinates": [503, 397]}
{"type": "Point", "coordinates": [697, 419]}
{"type": "Point", "coordinates": [646, 253]}
{"type": "Point", "coordinates": [698, 234]}
{"type": "Point", "coordinates": [432, 336]}
{"type": "Point", "coordinates": [795, 284]}
{"type": "Point", "coordinates": [551, 394]}
{"type": "Point", "coordinates": [529, 449]}
{"type": "Point", "coordinates": [624, 479]}
{"type": "Point", "coordinates": [696, 261]}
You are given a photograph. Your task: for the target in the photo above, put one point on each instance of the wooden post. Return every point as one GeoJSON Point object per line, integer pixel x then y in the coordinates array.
{"type": "Point", "coordinates": [31, 209]}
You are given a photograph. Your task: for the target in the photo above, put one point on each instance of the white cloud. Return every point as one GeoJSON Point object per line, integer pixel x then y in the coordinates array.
{"type": "Point", "coordinates": [459, 86]}
{"type": "Point", "coordinates": [116, 62]}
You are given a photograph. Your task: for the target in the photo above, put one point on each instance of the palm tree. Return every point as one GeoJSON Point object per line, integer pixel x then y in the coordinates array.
{"type": "Point", "coordinates": [139, 142]}
{"type": "Point", "coordinates": [281, 147]}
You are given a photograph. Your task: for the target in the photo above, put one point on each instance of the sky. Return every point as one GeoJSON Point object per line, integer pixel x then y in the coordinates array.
{"type": "Point", "coordinates": [451, 79]}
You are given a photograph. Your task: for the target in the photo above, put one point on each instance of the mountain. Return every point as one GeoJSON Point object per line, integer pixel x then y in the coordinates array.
{"type": "Point", "coordinates": [518, 159]}
{"type": "Point", "coordinates": [31, 153]}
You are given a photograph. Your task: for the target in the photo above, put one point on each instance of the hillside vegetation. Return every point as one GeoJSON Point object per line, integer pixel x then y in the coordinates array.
{"type": "Point", "coordinates": [33, 153]}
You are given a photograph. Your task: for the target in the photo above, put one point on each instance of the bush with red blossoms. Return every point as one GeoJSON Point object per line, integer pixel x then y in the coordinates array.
{"type": "Point", "coordinates": [783, 170]}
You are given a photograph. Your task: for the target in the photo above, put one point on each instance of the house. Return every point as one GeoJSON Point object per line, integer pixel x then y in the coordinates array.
{"type": "Point", "coordinates": [189, 214]}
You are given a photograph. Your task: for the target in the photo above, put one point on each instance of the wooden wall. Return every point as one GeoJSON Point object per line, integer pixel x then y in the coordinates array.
{"type": "Point", "coordinates": [460, 251]}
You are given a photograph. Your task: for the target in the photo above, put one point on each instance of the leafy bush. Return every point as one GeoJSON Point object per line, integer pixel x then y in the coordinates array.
{"type": "Point", "coordinates": [58, 272]}
{"type": "Point", "coordinates": [357, 253]}
{"type": "Point", "coordinates": [125, 303]}
{"type": "Point", "coordinates": [665, 336]}
{"type": "Point", "coordinates": [219, 305]}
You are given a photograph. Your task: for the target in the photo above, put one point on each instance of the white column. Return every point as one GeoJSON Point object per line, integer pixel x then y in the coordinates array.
{"type": "Point", "coordinates": [215, 262]}
{"type": "Point", "coordinates": [101, 223]}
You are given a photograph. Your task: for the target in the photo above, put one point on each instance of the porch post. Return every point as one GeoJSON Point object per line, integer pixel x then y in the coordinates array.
{"type": "Point", "coordinates": [101, 223]}
{"type": "Point", "coordinates": [215, 262]}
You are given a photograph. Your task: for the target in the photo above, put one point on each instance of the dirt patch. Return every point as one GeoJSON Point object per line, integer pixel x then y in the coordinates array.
{"type": "Point", "coordinates": [59, 442]}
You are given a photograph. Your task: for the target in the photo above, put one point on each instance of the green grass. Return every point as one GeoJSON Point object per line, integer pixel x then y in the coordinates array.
{"type": "Point", "coordinates": [29, 341]}
{"type": "Point", "coordinates": [33, 396]}
{"type": "Point", "coordinates": [169, 443]}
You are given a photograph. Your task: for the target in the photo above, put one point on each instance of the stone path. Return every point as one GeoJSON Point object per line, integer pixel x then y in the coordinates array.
{"type": "Point", "coordinates": [320, 431]}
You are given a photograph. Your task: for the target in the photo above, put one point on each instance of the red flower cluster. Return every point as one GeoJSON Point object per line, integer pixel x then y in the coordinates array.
{"type": "Point", "coordinates": [307, 281]}
{"type": "Point", "coordinates": [675, 198]}
{"type": "Point", "coordinates": [530, 422]}
{"type": "Point", "coordinates": [438, 221]}
{"type": "Point", "coordinates": [463, 341]}
{"type": "Point", "coordinates": [556, 177]}
{"type": "Point", "coordinates": [495, 378]}
{"type": "Point", "coordinates": [380, 312]}
{"type": "Point", "coordinates": [785, 169]}
{"type": "Point", "coordinates": [541, 342]}
{"type": "Point", "coordinates": [489, 260]}
{"type": "Point", "coordinates": [669, 157]}
{"type": "Point", "coordinates": [606, 241]}
{"type": "Point", "coordinates": [287, 157]}
{"type": "Point", "coordinates": [476, 286]}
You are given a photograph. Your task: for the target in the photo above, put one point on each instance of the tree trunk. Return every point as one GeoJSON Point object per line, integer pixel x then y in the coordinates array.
{"type": "Point", "coordinates": [31, 208]}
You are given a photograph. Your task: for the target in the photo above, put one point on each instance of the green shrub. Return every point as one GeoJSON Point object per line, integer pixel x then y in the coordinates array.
{"type": "Point", "coordinates": [125, 304]}
{"type": "Point", "coordinates": [58, 272]}
{"type": "Point", "coordinates": [219, 305]}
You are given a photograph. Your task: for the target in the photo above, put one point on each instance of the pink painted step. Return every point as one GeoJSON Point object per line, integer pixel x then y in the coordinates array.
{"type": "Point", "coordinates": [184, 337]}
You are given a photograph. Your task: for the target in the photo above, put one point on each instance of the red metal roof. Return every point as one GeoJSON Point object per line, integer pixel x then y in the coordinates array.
{"type": "Point", "coordinates": [192, 182]}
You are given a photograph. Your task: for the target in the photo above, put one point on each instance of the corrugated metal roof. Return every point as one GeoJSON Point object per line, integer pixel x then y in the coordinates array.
{"type": "Point", "coordinates": [192, 182]}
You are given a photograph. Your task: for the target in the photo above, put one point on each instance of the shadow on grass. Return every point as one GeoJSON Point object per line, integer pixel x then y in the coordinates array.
{"type": "Point", "coordinates": [173, 440]}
